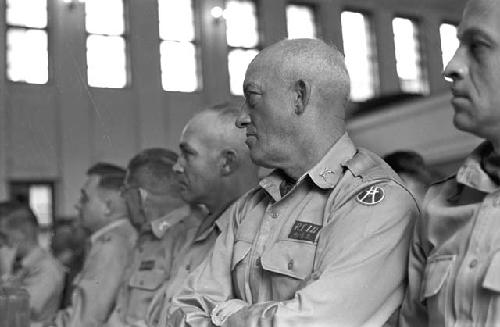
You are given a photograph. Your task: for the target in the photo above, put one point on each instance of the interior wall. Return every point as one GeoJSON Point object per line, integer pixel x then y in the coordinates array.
{"type": "Point", "coordinates": [56, 131]}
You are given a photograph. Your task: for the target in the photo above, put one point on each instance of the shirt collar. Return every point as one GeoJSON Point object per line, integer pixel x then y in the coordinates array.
{"type": "Point", "coordinates": [325, 174]}
{"type": "Point", "coordinates": [219, 220]}
{"type": "Point", "coordinates": [160, 226]}
{"type": "Point", "coordinates": [34, 256]}
{"type": "Point", "coordinates": [107, 228]}
{"type": "Point", "coordinates": [472, 174]}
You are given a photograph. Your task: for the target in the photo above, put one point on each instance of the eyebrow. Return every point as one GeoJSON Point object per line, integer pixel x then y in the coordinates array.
{"type": "Point", "coordinates": [473, 31]}
{"type": "Point", "coordinates": [185, 147]}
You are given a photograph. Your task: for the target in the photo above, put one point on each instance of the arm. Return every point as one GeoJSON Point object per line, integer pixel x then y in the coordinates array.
{"type": "Point", "coordinates": [94, 294]}
{"type": "Point", "coordinates": [413, 312]}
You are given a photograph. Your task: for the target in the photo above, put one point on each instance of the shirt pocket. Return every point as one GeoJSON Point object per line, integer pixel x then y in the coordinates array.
{"type": "Point", "coordinates": [436, 272]}
{"type": "Point", "coordinates": [149, 280]}
{"type": "Point", "coordinates": [491, 279]}
{"type": "Point", "coordinates": [288, 264]}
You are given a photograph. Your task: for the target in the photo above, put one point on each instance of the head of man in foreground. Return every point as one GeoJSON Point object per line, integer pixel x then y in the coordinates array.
{"type": "Point", "coordinates": [296, 93]}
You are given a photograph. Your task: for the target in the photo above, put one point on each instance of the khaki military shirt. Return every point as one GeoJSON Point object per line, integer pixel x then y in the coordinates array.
{"type": "Point", "coordinates": [43, 277]}
{"type": "Point", "coordinates": [331, 252]}
{"type": "Point", "coordinates": [152, 263]}
{"type": "Point", "coordinates": [197, 244]}
{"type": "Point", "coordinates": [97, 285]}
{"type": "Point", "coordinates": [454, 265]}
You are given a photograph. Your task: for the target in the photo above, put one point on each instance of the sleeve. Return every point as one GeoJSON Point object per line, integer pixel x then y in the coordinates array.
{"type": "Point", "coordinates": [45, 288]}
{"type": "Point", "coordinates": [94, 294]}
{"type": "Point", "coordinates": [413, 311]}
{"type": "Point", "coordinates": [359, 279]}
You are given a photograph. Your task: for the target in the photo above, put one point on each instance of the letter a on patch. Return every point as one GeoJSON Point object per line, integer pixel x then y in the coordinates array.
{"type": "Point", "coordinates": [371, 195]}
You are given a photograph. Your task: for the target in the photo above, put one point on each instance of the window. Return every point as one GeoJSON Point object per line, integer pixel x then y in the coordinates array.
{"type": "Point", "coordinates": [408, 56]}
{"type": "Point", "coordinates": [242, 40]}
{"type": "Point", "coordinates": [39, 196]}
{"type": "Point", "coordinates": [449, 41]}
{"type": "Point", "coordinates": [300, 21]}
{"type": "Point", "coordinates": [360, 55]}
{"type": "Point", "coordinates": [106, 44]}
{"type": "Point", "coordinates": [178, 46]}
{"type": "Point", "coordinates": [27, 41]}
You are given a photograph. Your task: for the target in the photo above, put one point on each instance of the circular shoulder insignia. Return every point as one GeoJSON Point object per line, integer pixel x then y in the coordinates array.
{"type": "Point", "coordinates": [371, 195]}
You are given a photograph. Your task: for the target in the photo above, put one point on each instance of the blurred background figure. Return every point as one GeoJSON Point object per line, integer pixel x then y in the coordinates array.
{"type": "Point", "coordinates": [24, 264]}
{"type": "Point", "coordinates": [412, 169]}
{"type": "Point", "coordinates": [68, 246]}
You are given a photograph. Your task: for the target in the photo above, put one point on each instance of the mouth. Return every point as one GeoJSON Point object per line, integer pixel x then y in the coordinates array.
{"type": "Point", "coordinates": [458, 93]}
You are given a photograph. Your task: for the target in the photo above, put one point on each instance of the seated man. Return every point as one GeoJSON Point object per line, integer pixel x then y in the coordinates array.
{"type": "Point", "coordinates": [214, 169]}
{"type": "Point", "coordinates": [152, 194]}
{"type": "Point", "coordinates": [103, 212]}
{"type": "Point", "coordinates": [25, 264]}
{"type": "Point", "coordinates": [323, 241]}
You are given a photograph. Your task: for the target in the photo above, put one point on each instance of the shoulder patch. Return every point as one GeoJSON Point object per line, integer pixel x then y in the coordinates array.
{"type": "Point", "coordinates": [371, 195]}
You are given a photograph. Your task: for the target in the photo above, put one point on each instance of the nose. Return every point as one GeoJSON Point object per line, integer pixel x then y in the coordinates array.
{"type": "Point", "coordinates": [179, 165]}
{"type": "Point", "coordinates": [457, 67]}
{"type": "Point", "coordinates": [243, 119]}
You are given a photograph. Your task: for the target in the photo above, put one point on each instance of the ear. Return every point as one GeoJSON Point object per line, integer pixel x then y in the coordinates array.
{"type": "Point", "coordinates": [109, 206]}
{"type": "Point", "coordinates": [229, 162]}
{"type": "Point", "coordinates": [302, 92]}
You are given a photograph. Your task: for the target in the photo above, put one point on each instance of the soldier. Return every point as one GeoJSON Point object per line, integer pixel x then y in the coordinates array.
{"type": "Point", "coordinates": [152, 194]}
{"type": "Point", "coordinates": [324, 240]}
{"type": "Point", "coordinates": [104, 213]}
{"type": "Point", "coordinates": [29, 266]}
{"type": "Point", "coordinates": [214, 169]}
{"type": "Point", "coordinates": [454, 264]}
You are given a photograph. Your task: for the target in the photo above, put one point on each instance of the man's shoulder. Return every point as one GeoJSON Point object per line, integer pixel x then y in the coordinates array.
{"type": "Point", "coordinates": [122, 233]}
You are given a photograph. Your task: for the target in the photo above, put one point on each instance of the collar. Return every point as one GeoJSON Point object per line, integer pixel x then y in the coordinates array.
{"type": "Point", "coordinates": [160, 226]}
{"type": "Point", "coordinates": [325, 174]}
{"type": "Point", "coordinates": [472, 173]}
{"type": "Point", "coordinates": [33, 257]}
{"type": "Point", "coordinates": [103, 230]}
{"type": "Point", "coordinates": [219, 220]}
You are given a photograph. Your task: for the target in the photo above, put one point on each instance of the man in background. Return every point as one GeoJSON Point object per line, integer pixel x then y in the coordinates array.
{"type": "Point", "coordinates": [103, 212]}
{"type": "Point", "coordinates": [25, 264]}
{"type": "Point", "coordinates": [214, 170]}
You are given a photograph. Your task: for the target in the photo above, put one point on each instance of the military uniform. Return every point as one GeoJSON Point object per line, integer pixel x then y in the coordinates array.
{"type": "Point", "coordinates": [197, 244]}
{"type": "Point", "coordinates": [96, 287]}
{"type": "Point", "coordinates": [43, 277]}
{"type": "Point", "coordinates": [152, 264]}
{"type": "Point", "coordinates": [330, 252]}
{"type": "Point", "coordinates": [454, 265]}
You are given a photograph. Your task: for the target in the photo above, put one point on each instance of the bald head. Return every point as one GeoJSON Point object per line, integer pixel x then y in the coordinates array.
{"type": "Point", "coordinates": [313, 61]}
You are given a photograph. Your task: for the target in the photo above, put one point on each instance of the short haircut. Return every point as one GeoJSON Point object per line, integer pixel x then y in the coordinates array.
{"type": "Point", "coordinates": [111, 177]}
{"type": "Point", "coordinates": [153, 168]}
{"type": "Point", "coordinates": [409, 162]}
{"type": "Point", "coordinates": [16, 215]}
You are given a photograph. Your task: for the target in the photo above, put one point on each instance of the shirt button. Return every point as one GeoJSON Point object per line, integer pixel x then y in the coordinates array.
{"type": "Point", "coordinates": [473, 263]}
{"type": "Point", "coordinates": [290, 264]}
{"type": "Point", "coordinates": [274, 214]}
{"type": "Point", "coordinates": [188, 267]}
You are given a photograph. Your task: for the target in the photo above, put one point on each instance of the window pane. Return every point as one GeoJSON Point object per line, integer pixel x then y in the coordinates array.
{"type": "Point", "coordinates": [104, 17]}
{"type": "Point", "coordinates": [27, 57]}
{"type": "Point", "coordinates": [178, 66]}
{"type": "Point", "coordinates": [449, 42]}
{"type": "Point", "coordinates": [41, 203]}
{"type": "Point", "coordinates": [29, 13]}
{"type": "Point", "coordinates": [176, 20]}
{"type": "Point", "coordinates": [106, 61]}
{"type": "Point", "coordinates": [408, 60]}
{"type": "Point", "coordinates": [359, 55]}
{"type": "Point", "coordinates": [241, 24]}
{"type": "Point", "coordinates": [238, 61]}
{"type": "Point", "coordinates": [300, 22]}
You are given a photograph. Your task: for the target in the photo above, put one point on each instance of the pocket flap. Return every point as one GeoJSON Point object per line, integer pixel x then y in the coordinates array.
{"type": "Point", "coordinates": [436, 272]}
{"type": "Point", "coordinates": [147, 280]}
{"type": "Point", "coordinates": [240, 251]}
{"type": "Point", "coordinates": [492, 277]}
{"type": "Point", "coordinates": [294, 259]}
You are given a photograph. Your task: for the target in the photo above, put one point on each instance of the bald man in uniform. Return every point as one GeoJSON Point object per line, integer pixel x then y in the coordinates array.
{"type": "Point", "coordinates": [214, 169]}
{"type": "Point", "coordinates": [454, 266]}
{"type": "Point", "coordinates": [323, 240]}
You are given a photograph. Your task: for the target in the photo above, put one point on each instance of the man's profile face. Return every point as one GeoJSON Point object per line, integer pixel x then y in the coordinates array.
{"type": "Point", "coordinates": [266, 115]}
{"type": "Point", "coordinates": [475, 69]}
{"type": "Point", "coordinates": [198, 163]}
{"type": "Point", "coordinates": [91, 207]}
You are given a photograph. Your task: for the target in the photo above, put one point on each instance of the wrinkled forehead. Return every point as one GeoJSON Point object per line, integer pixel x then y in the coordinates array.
{"type": "Point", "coordinates": [482, 15]}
